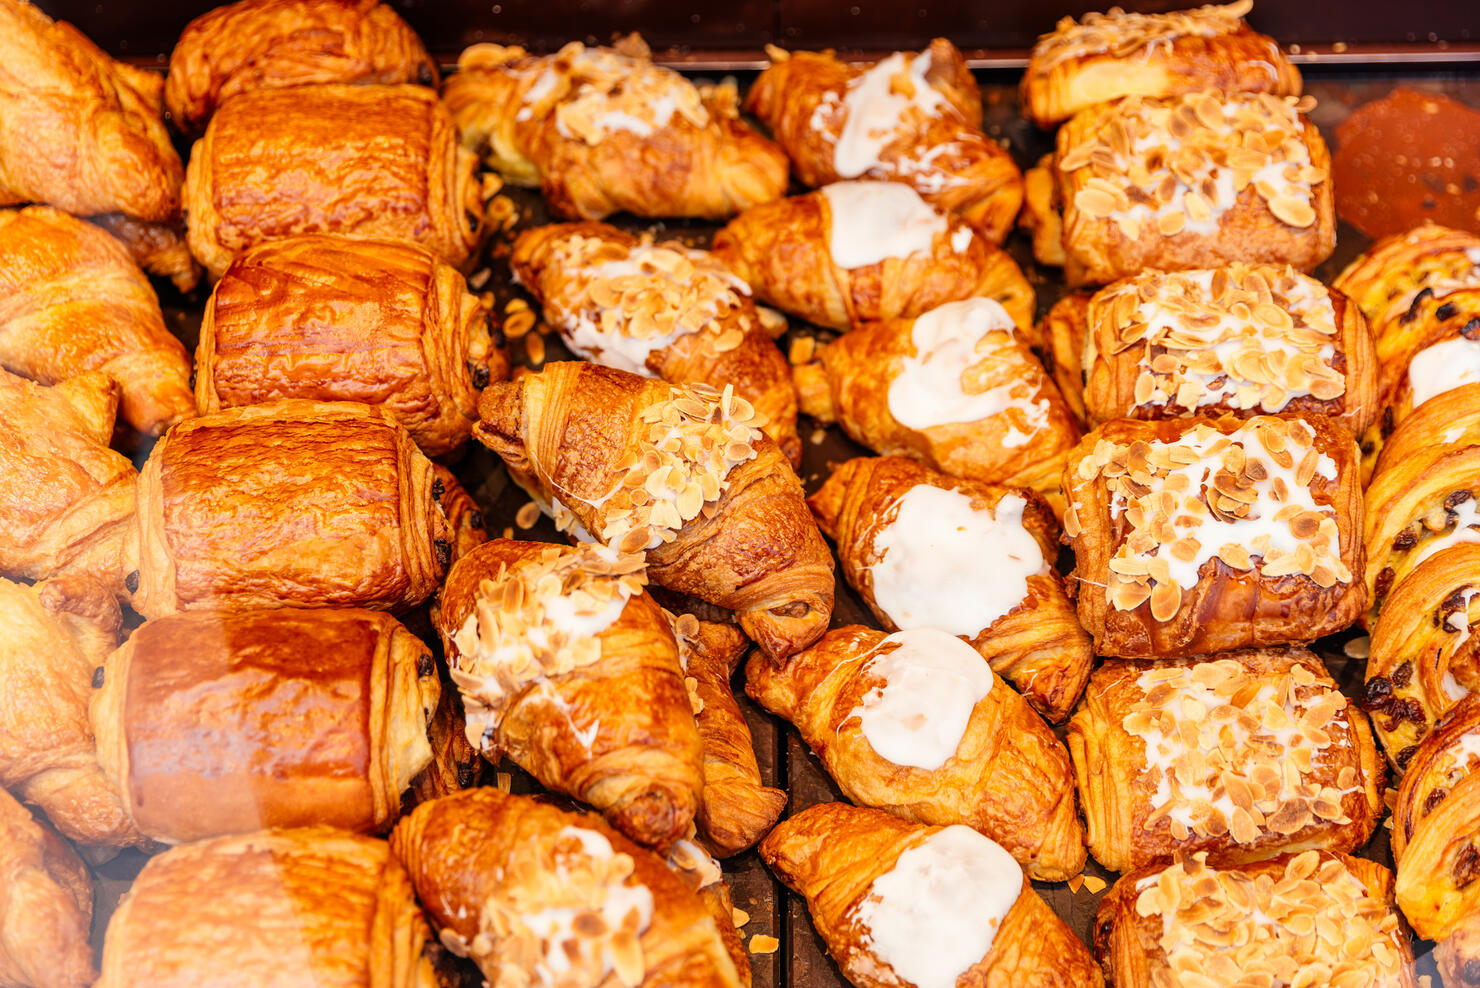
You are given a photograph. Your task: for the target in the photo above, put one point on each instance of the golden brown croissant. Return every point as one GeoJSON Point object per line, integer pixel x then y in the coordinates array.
{"type": "Point", "coordinates": [46, 899]}
{"type": "Point", "coordinates": [536, 895]}
{"type": "Point", "coordinates": [908, 118]}
{"type": "Point", "coordinates": [901, 905]}
{"type": "Point", "coordinates": [569, 668]}
{"type": "Point", "coordinates": [916, 723]}
{"type": "Point", "coordinates": [71, 300]}
{"type": "Point", "coordinates": [1198, 535]}
{"type": "Point", "coordinates": [1103, 57]}
{"type": "Point", "coordinates": [338, 319]}
{"type": "Point", "coordinates": [57, 634]}
{"type": "Point", "coordinates": [377, 162]}
{"type": "Point", "coordinates": [1243, 755]}
{"type": "Point", "coordinates": [1313, 918]}
{"type": "Point", "coordinates": [955, 388]}
{"type": "Point", "coordinates": [862, 251]}
{"type": "Point", "coordinates": [682, 473]}
{"type": "Point", "coordinates": [294, 502]}
{"type": "Point", "coordinates": [660, 310]}
{"type": "Point", "coordinates": [910, 539]}
{"type": "Point", "coordinates": [308, 908]}
{"type": "Point", "coordinates": [66, 499]}
{"type": "Point", "coordinates": [158, 248]}
{"type": "Point", "coordinates": [604, 130]}
{"type": "Point", "coordinates": [268, 44]}
{"type": "Point", "coordinates": [1128, 203]}
{"type": "Point", "coordinates": [212, 722]}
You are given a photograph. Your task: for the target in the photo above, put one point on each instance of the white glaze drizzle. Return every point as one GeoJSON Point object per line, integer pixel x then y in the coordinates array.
{"type": "Point", "coordinates": [872, 221]}
{"type": "Point", "coordinates": [875, 107]}
{"type": "Point", "coordinates": [1443, 367]}
{"type": "Point", "coordinates": [1466, 529]}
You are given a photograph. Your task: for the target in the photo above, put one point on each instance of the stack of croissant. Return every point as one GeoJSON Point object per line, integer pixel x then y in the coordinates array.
{"type": "Point", "coordinates": [256, 630]}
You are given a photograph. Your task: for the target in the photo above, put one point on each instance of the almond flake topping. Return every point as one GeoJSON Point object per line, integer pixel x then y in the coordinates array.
{"type": "Point", "coordinates": [1251, 336]}
{"type": "Point", "coordinates": [595, 92]}
{"type": "Point", "coordinates": [1121, 34]}
{"type": "Point", "coordinates": [686, 634]}
{"type": "Point", "coordinates": [1178, 164]}
{"type": "Point", "coordinates": [1314, 925]}
{"type": "Point", "coordinates": [1237, 754]}
{"type": "Point", "coordinates": [1244, 498]}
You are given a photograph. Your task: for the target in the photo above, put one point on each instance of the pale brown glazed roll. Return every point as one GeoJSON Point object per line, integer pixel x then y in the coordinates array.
{"type": "Point", "coordinates": [46, 900]}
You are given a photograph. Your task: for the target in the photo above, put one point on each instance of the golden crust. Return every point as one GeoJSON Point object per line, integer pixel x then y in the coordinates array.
{"type": "Point", "coordinates": [45, 905]}
{"type": "Point", "coordinates": [1061, 337]}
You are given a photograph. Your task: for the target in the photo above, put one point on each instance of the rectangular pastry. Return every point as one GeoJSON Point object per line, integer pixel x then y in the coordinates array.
{"type": "Point", "coordinates": [1191, 181]}
{"type": "Point", "coordinates": [1198, 535]}
{"type": "Point", "coordinates": [1240, 755]}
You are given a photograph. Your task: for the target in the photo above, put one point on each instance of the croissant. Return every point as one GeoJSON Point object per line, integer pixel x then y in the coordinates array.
{"type": "Point", "coordinates": [900, 904]}
{"type": "Point", "coordinates": [1435, 823]}
{"type": "Point", "coordinates": [158, 248]}
{"type": "Point", "coordinates": [337, 319]}
{"type": "Point", "coordinates": [604, 130]}
{"type": "Point", "coordinates": [955, 388]}
{"type": "Point", "coordinates": [1253, 923]}
{"type": "Point", "coordinates": [339, 498]}
{"type": "Point", "coordinates": [46, 899]}
{"type": "Point", "coordinates": [568, 667]}
{"type": "Point", "coordinates": [308, 908]}
{"type": "Point", "coordinates": [660, 310]}
{"type": "Point", "coordinates": [863, 251]}
{"type": "Point", "coordinates": [270, 44]}
{"type": "Point", "coordinates": [908, 118]}
{"type": "Point", "coordinates": [370, 162]}
{"type": "Point", "coordinates": [211, 723]}
{"type": "Point", "coordinates": [916, 723]}
{"type": "Point", "coordinates": [1198, 535]}
{"type": "Point", "coordinates": [536, 895]}
{"type": "Point", "coordinates": [1102, 57]}
{"type": "Point", "coordinates": [66, 499]}
{"type": "Point", "coordinates": [71, 300]}
{"type": "Point", "coordinates": [589, 443]}
{"type": "Point", "coordinates": [57, 633]}
{"type": "Point", "coordinates": [908, 537]}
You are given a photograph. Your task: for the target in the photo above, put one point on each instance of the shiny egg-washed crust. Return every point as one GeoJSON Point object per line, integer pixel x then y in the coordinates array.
{"type": "Point", "coordinates": [1038, 646]}
{"type": "Point", "coordinates": [483, 845]}
{"type": "Point", "coordinates": [464, 519]}
{"type": "Point", "coordinates": [211, 723]}
{"type": "Point", "coordinates": [339, 498]}
{"type": "Point", "coordinates": [46, 899]}
{"type": "Point", "coordinates": [1421, 636]}
{"type": "Point", "coordinates": [158, 248]}
{"type": "Point", "coordinates": [72, 300]}
{"type": "Point", "coordinates": [1238, 61]}
{"type": "Point", "coordinates": [327, 909]}
{"type": "Point", "coordinates": [1436, 821]}
{"type": "Point", "coordinates": [1110, 380]}
{"type": "Point", "coordinates": [617, 734]}
{"type": "Point", "coordinates": [1095, 251]}
{"type": "Point", "coordinates": [781, 250]}
{"type": "Point", "coordinates": [1117, 784]}
{"type": "Point", "coordinates": [1009, 777]}
{"type": "Point", "coordinates": [1128, 944]}
{"type": "Point", "coordinates": [754, 365]}
{"type": "Point", "coordinates": [711, 170]}
{"type": "Point", "coordinates": [66, 498]}
{"type": "Point", "coordinates": [270, 44]}
{"type": "Point", "coordinates": [848, 382]}
{"type": "Point", "coordinates": [562, 433]}
{"type": "Point", "coordinates": [1061, 334]}
{"type": "Point", "coordinates": [332, 318]}
{"type": "Point", "coordinates": [362, 161]}
{"type": "Point", "coordinates": [56, 635]}
{"type": "Point", "coordinates": [944, 156]}
{"type": "Point", "coordinates": [832, 853]}
{"type": "Point", "coordinates": [1227, 608]}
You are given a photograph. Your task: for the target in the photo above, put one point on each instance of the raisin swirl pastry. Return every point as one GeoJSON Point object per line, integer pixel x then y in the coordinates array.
{"type": "Point", "coordinates": [1198, 535]}
{"type": "Point", "coordinates": [915, 723]}
{"type": "Point", "coordinates": [1190, 181]}
{"type": "Point", "coordinates": [1240, 755]}
{"type": "Point", "coordinates": [909, 118]}
{"type": "Point", "coordinates": [1436, 841]}
{"type": "Point", "coordinates": [855, 252]}
{"type": "Point", "coordinates": [1103, 57]}
{"type": "Point", "coordinates": [604, 130]}
{"type": "Point", "coordinates": [46, 901]}
{"type": "Point", "coordinates": [908, 538]}
{"type": "Point", "coordinates": [660, 310]}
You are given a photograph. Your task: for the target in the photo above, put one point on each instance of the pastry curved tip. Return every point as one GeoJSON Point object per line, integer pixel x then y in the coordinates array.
{"type": "Point", "coordinates": [782, 630]}
{"type": "Point", "coordinates": [655, 815]}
